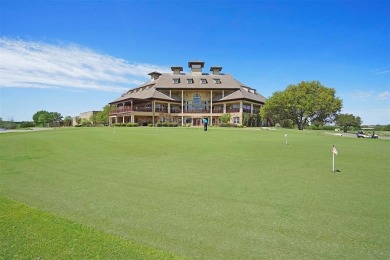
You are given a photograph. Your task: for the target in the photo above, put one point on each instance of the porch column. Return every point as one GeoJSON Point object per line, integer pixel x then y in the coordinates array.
{"type": "Point", "coordinates": [241, 104]}
{"type": "Point", "coordinates": [123, 119]}
{"type": "Point", "coordinates": [182, 107]}
{"type": "Point", "coordinates": [223, 93]}
{"type": "Point", "coordinates": [132, 118]}
{"type": "Point", "coordinates": [131, 108]}
{"type": "Point", "coordinates": [153, 106]}
{"type": "Point", "coordinates": [251, 108]}
{"type": "Point", "coordinates": [169, 107]}
{"type": "Point", "coordinates": [211, 107]}
{"type": "Point", "coordinates": [224, 108]}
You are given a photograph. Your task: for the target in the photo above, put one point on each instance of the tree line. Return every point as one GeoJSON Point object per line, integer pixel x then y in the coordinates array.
{"type": "Point", "coordinates": [45, 118]}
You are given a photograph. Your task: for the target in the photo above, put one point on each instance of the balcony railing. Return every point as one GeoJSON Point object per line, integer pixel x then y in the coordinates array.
{"type": "Point", "coordinates": [232, 110]}
{"type": "Point", "coordinates": [164, 109]}
{"type": "Point", "coordinates": [161, 109]}
{"type": "Point", "coordinates": [197, 111]}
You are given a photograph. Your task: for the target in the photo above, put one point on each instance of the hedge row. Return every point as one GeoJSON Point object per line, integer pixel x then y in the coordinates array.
{"type": "Point", "coordinates": [230, 125]}
{"type": "Point", "coordinates": [126, 125]}
{"type": "Point", "coordinates": [166, 124]}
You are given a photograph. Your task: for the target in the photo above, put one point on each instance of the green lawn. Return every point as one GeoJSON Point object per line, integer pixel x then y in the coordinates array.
{"type": "Point", "coordinates": [221, 194]}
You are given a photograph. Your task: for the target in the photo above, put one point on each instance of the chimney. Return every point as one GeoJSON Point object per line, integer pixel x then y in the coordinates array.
{"type": "Point", "coordinates": [196, 67]}
{"type": "Point", "coordinates": [177, 70]}
{"type": "Point", "coordinates": [216, 70]}
{"type": "Point", "coordinates": [154, 75]}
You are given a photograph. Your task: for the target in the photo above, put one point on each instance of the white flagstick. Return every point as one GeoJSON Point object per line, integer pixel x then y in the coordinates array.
{"type": "Point", "coordinates": [286, 138]}
{"type": "Point", "coordinates": [334, 152]}
{"type": "Point", "coordinates": [333, 164]}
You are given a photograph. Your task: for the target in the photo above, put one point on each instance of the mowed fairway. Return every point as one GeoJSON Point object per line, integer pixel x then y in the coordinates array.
{"type": "Point", "coordinates": [221, 194]}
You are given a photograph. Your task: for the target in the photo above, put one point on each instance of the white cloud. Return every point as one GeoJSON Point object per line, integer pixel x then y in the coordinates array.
{"type": "Point", "coordinates": [26, 64]}
{"type": "Point", "coordinates": [361, 95]}
{"type": "Point", "coordinates": [384, 95]}
{"type": "Point", "coordinates": [382, 71]}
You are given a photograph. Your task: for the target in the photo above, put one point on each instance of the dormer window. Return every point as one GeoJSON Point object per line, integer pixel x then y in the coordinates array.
{"type": "Point", "coordinates": [217, 81]}
{"type": "Point", "coordinates": [176, 80]}
{"type": "Point", "coordinates": [203, 81]}
{"type": "Point", "coordinates": [190, 81]}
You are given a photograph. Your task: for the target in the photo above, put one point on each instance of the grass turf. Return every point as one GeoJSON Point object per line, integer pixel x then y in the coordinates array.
{"type": "Point", "coordinates": [29, 233]}
{"type": "Point", "coordinates": [225, 193]}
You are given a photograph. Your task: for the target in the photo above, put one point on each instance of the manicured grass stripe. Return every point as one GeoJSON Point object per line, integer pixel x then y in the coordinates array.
{"type": "Point", "coordinates": [29, 233]}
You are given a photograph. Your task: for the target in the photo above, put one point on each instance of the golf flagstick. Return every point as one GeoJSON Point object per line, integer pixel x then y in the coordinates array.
{"type": "Point", "coordinates": [286, 138]}
{"type": "Point", "coordinates": [334, 152]}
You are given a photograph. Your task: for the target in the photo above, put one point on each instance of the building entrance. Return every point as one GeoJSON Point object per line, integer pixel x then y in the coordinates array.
{"type": "Point", "coordinates": [196, 121]}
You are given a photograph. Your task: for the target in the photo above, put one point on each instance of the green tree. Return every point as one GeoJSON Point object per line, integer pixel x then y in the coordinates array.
{"type": "Point", "coordinates": [102, 116]}
{"type": "Point", "coordinates": [37, 114]}
{"type": "Point", "coordinates": [45, 118]}
{"type": "Point", "coordinates": [68, 121]}
{"type": "Point", "coordinates": [273, 111]}
{"type": "Point", "coordinates": [78, 120]}
{"type": "Point", "coordinates": [303, 103]}
{"type": "Point", "coordinates": [93, 119]}
{"type": "Point", "coordinates": [348, 120]}
{"type": "Point", "coordinates": [56, 117]}
{"type": "Point", "coordinates": [225, 118]}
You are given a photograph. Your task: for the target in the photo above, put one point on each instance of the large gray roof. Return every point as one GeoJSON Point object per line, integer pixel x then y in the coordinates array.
{"type": "Point", "coordinates": [150, 89]}
{"type": "Point", "coordinates": [147, 92]}
{"type": "Point", "coordinates": [166, 81]}
{"type": "Point", "coordinates": [243, 93]}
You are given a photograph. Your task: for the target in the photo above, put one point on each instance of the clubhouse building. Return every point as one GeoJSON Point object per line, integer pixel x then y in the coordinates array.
{"type": "Point", "coordinates": [185, 99]}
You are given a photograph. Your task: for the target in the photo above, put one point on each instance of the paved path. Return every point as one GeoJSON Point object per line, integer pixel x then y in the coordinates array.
{"type": "Point", "coordinates": [2, 131]}
{"type": "Point", "coordinates": [341, 134]}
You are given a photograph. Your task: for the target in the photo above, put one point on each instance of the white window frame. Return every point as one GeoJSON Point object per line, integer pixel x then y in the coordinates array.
{"type": "Point", "coordinates": [176, 80]}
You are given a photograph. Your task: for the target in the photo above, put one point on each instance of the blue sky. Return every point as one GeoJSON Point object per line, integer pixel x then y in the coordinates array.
{"type": "Point", "coordinates": [77, 56]}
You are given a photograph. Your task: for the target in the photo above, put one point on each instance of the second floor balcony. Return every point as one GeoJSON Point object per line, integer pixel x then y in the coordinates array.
{"type": "Point", "coordinates": [162, 108]}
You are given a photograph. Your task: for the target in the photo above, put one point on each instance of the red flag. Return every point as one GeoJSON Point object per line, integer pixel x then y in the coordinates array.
{"type": "Point", "coordinates": [334, 151]}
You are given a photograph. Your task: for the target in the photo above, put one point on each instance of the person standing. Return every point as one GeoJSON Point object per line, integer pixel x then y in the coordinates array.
{"type": "Point", "coordinates": [205, 124]}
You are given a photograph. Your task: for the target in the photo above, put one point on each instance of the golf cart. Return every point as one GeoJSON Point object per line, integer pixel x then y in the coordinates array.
{"type": "Point", "coordinates": [361, 134]}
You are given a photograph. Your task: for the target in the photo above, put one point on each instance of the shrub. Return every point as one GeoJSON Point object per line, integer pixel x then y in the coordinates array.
{"type": "Point", "coordinates": [150, 125]}
{"type": "Point", "coordinates": [225, 118]}
{"type": "Point", "coordinates": [382, 128]}
{"type": "Point", "coordinates": [8, 125]}
{"type": "Point", "coordinates": [227, 125]}
{"type": "Point", "coordinates": [27, 124]}
{"type": "Point", "coordinates": [132, 125]}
